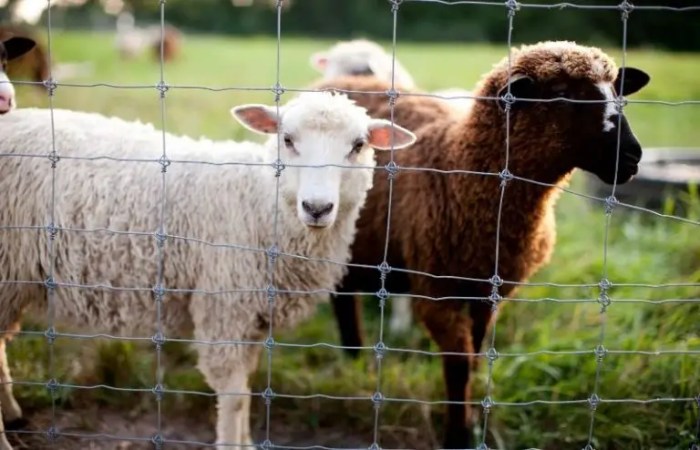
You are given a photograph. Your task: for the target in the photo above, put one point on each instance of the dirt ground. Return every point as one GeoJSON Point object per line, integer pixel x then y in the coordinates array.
{"type": "Point", "coordinates": [113, 424]}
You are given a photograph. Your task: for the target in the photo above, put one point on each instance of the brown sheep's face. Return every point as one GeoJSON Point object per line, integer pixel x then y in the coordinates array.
{"type": "Point", "coordinates": [10, 48]}
{"type": "Point", "coordinates": [589, 127]}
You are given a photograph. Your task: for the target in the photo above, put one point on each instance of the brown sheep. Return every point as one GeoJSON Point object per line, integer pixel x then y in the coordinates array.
{"type": "Point", "coordinates": [445, 224]}
{"type": "Point", "coordinates": [171, 44]}
{"type": "Point", "coordinates": [33, 65]}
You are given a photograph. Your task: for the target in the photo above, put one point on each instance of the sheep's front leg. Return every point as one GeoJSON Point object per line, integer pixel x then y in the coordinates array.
{"type": "Point", "coordinates": [451, 330]}
{"type": "Point", "coordinates": [400, 314]}
{"type": "Point", "coordinates": [232, 422]}
{"type": "Point", "coordinates": [11, 412]}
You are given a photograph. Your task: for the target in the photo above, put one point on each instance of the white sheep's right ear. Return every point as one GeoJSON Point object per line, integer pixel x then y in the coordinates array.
{"type": "Point", "coordinates": [261, 119]}
{"type": "Point", "coordinates": [382, 134]}
{"type": "Point", "coordinates": [319, 61]}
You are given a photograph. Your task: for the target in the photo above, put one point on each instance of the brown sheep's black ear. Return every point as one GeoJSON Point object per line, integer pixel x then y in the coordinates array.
{"type": "Point", "coordinates": [18, 46]}
{"type": "Point", "coordinates": [635, 79]}
{"type": "Point", "coordinates": [521, 86]}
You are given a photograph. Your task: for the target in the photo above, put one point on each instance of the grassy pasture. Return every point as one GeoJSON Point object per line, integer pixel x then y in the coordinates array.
{"type": "Point", "coordinates": [641, 249]}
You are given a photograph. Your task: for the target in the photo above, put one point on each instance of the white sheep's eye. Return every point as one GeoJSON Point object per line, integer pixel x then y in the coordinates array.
{"type": "Point", "coordinates": [356, 147]}
{"type": "Point", "coordinates": [288, 142]}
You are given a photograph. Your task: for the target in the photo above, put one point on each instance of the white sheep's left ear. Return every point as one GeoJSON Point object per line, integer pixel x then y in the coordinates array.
{"type": "Point", "coordinates": [382, 134]}
{"type": "Point", "coordinates": [261, 119]}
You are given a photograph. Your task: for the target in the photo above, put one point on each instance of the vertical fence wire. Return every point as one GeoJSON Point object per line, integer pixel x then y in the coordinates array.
{"type": "Point", "coordinates": [272, 253]}
{"type": "Point", "coordinates": [383, 294]}
{"type": "Point", "coordinates": [160, 240]}
{"type": "Point", "coordinates": [52, 385]}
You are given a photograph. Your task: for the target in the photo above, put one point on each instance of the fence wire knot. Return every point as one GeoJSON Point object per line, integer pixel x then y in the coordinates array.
{"type": "Point", "coordinates": [52, 386]}
{"type": "Point", "coordinates": [50, 283]}
{"type": "Point", "coordinates": [593, 402]}
{"type": "Point", "coordinates": [267, 444]}
{"type": "Point", "coordinates": [272, 253]}
{"type": "Point", "coordinates": [50, 85]}
{"type": "Point", "coordinates": [50, 335]}
{"type": "Point", "coordinates": [487, 404]}
{"type": "Point", "coordinates": [158, 292]}
{"type": "Point", "coordinates": [54, 158]}
{"type": "Point", "coordinates": [492, 354]}
{"type": "Point", "coordinates": [620, 103]}
{"type": "Point", "coordinates": [395, 5]}
{"type": "Point", "coordinates": [52, 433]}
{"type": "Point", "coordinates": [383, 294]}
{"type": "Point", "coordinates": [392, 168]}
{"type": "Point", "coordinates": [278, 90]}
{"type": "Point", "coordinates": [157, 439]}
{"type": "Point", "coordinates": [508, 99]}
{"type": "Point", "coordinates": [52, 230]}
{"type": "Point", "coordinates": [496, 281]}
{"type": "Point", "coordinates": [505, 175]}
{"type": "Point", "coordinates": [374, 446]}
{"type": "Point", "coordinates": [164, 163]}
{"type": "Point", "coordinates": [512, 6]}
{"type": "Point", "coordinates": [604, 284]}
{"type": "Point", "coordinates": [271, 293]}
{"type": "Point", "coordinates": [279, 166]}
{"type": "Point", "coordinates": [589, 447]}
{"type": "Point", "coordinates": [604, 300]}
{"type": "Point", "coordinates": [379, 350]}
{"type": "Point", "coordinates": [158, 339]}
{"type": "Point", "coordinates": [482, 446]}
{"type": "Point", "coordinates": [626, 8]}
{"type": "Point", "coordinates": [600, 352]}
{"type": "Point", "coordinates": [393, 95]}
{"type": "Point", "coordinates": [268, 395]}
{"type": "Point", "coordinates": [384, 268]}
{"type": "Point", "coordinates": [495, 298]}
{"type": "Point", "coordinates": [158, 390]}
{"type": "Point", "coordinates": [269, 343]}
{"type": "Point", "coordinates": [162, 87]}
{"type": "Point", "coordinates": [610, 203]}
{"type": "Point", "coordinates": [160, 238]}
{"type": "Point", "coordinates": [377, 399]}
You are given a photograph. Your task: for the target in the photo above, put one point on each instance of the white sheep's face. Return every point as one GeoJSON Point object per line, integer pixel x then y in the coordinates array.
{"type": "Point", "coordinates": [326, 145]}
{"type": "Point", "coordinates": [10, 48]}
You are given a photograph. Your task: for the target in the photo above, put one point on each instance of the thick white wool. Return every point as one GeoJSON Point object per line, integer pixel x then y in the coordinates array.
{"type": "Point", "coordinates": [213, 293]}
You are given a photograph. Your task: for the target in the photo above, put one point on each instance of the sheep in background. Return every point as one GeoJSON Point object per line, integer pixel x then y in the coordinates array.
{"type": "Point", "coordinates": [131, 41]}
{"type": "Point", "coordinates": [445, 224]}
{"type": "Point", "coordinates": [365, 57]}
{"type": "Point", "coordinates": [215, 293]}
{"type": "Point", "coordinates": [11, 48]}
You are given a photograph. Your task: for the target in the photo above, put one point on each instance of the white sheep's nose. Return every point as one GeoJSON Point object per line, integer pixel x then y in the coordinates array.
{"type": "Point", "coordinates": [317, 209]}
{"type": "Point", "coordinates": [6, 101]}
{"type": "Point", "coordinates": [7, 94]}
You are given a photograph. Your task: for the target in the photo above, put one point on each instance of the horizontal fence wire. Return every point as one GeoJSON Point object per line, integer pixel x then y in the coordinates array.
{"type": "Point", "coordinates": [491, 355]}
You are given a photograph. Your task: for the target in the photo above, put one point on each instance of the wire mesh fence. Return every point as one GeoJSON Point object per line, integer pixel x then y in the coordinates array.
{"type": "Point", "coordinates": [489, 403]}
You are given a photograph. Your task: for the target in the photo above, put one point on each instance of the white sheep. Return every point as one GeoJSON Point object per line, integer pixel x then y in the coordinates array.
{"type": "Point", "coordinates": [365, 57]}
{"type": "Point", "coordinates": [11, 47]}
{"type": "Point", "coordinates": [218, 218]}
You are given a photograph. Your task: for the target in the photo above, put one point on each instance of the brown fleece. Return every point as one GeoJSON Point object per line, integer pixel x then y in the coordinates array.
{"type": "Point", "coordinates": [445, 224]}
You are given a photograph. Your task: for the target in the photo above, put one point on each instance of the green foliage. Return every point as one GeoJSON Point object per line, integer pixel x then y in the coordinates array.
{"type": "Point", "coordinates": [640, 249]}
{"type": "Point", "coordinates": [430, 21]}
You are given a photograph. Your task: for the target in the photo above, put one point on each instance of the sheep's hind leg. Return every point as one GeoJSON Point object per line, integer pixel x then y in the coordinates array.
{"type": "Point", "coordinates": [4, 444]}
{"type": "Point", "coordinates": [11, 411]}
{"type": "Point", "coordinates": [451, 330]}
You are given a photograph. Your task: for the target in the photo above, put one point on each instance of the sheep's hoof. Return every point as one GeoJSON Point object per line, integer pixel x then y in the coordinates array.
{"type": "Point", "coordinates": [19, 423]}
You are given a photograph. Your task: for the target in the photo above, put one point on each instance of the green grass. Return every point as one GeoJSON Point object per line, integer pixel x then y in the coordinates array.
{"type": "Point", "coordinates": [640, 249]}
